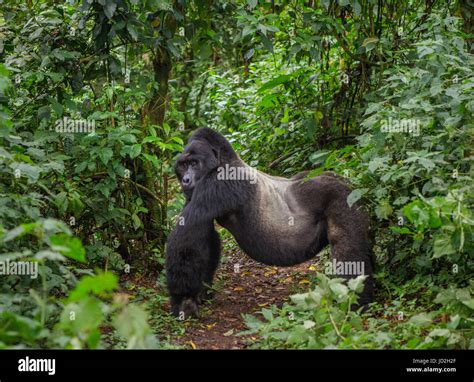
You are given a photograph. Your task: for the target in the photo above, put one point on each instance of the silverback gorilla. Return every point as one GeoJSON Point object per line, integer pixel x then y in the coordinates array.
{"type": "Point", "coordinates": [276, 221]}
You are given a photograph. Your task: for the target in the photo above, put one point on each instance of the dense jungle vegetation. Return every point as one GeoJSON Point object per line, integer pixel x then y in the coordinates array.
{"type": "Point", "coordinates": [377, 91]}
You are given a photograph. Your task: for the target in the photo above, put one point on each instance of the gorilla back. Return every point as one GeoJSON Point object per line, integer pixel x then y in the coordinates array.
{"type": "Point", "coordinates": [280, 229]}
{"type": "Point", "coordinates": [276, 221]}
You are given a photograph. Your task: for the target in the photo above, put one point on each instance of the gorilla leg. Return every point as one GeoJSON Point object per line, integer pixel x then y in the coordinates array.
{"type": "Point", "coordinates": [184, 278]}
{"type": "Point", "coordinates": [212, 264]}
{"type": "Point", "coordinates": [349, 247]}
{"type": "Point", "coordinates": [191, 259]}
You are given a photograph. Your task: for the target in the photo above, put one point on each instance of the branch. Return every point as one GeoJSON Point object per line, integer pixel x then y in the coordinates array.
{"type": "Point", "coordinates": [138, 185]}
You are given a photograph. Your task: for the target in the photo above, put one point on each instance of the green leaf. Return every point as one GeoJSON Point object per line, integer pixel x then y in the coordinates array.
{"type": "Point", "coordinates": [31, 172]}
{"type": "Point", "coordinates": [13, 233]}
{"type": "Point", "coordinates": [267, 314]}
{"type": "Point", "coordinates": [355, 195]}
{"type": "Point", "coordinates": [319, 157]}
{"type": "Point", "coordinates": [308, 324]}
{"type": "Point", "coordinates": [421, 319]}
{"type": "Point", "coordinates": [177, 140]}
{"type": "Point", "coordinates": [356, 7]}
{"type": "Point", "coordinates": [61, 201]}
{"type": "Point", "coordinates": [340, 290]}
{"type": "Point", "coordinates": [136, 221]}
{"type": "Point", "coordinates": [315, 172]}
{"type": "Point", "coordinates": [252, 3]}
{"type": "Point", "coordinates": [267, 43]}
{"type": "Point", "coordinates": [299, 298]}
{"type": "Point", "coordinates": [439, 333]}
{"type": "Point", "coordinates": [164, 5]}
{"type": "Point", "coordinates": [401, 230]}
{"type": "Point", "coordinates": [49, 255]}
{"type": "Point", "coordinates": [469, 303]}
{"type": "Point", "coordinates": [109, 8]}
{"type": "Point", "coordinates": [68, 246]}
{"type": "Point", "coordinates": [132, 325]}
{"type": "Point", "coordinates": [105, 153]}
{"type": "Point", "coordinates": [97, 285]}
{"type": "Point", "coordinates": [132, 30]}
{"type": "Point", "coordinates": [445, 297]}
{"type": "Point", "coordinates": [370, 40]}
{"type": "Point", "coordinates": [377, 163]}
{"type": "Point", "coordinates": [82, 319]}
{"type": "Point", "coordinates": [151, 158]}
{"type": "Point", "coordinates": [384, 209]}
{"type": "Point", "coordinates": [135, 150]}
{"type": "Point", "coordinates": [442, 247]}
{"type": "Point", "coordinates": [248, 29]}
{"type": "Point", "coordinates": [357, 284]}
{"type": "Point", "coordinates": [274, 83]}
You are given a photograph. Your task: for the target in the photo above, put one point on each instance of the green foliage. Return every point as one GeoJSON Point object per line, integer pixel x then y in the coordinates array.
{"type": "Point", "coordinates": [25, 319]}
{"type": "Point", "coordinates": [418, 182]}
{"type": "Point", "coordinates": [97, 179]}
{"type": "Point", "coordinates": [32, 314]}
{"type": "Point", "coordinates": [132, 324]}
{"type": "Point", "coordinates": [321, 319]}
{"type": "Point", "coordinates": [89, 307]}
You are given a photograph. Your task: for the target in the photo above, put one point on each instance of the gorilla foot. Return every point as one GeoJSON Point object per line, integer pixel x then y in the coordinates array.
{"type": "Point", "coordinates": [188, 308]}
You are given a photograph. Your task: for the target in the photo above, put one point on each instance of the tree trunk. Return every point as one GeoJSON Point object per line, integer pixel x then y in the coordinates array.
{"type": "Point", "coordinates": [155, 112]}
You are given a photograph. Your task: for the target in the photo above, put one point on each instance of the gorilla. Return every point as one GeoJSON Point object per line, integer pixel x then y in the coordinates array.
{"type": "Point", "coordinates": [276, 221]}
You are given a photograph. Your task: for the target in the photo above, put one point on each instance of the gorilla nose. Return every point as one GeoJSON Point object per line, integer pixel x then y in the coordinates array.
{"type": "Point", "coordinates": [186, 180]}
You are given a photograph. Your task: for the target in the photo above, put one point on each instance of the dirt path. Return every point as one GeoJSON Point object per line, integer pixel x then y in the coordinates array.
{"type": "Point", "coordinates": [243, 286]}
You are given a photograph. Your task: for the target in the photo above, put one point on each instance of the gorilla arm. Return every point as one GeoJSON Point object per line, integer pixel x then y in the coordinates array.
{"type": "Point", "coordinates": [213, 198]}
{"type": "Point", "coordinates": [192, 256]}
{"type": "Point", "coordinates": [193, 248]}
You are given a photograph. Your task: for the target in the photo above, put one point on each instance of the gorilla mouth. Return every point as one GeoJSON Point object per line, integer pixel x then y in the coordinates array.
{"type": "Point", "coordinates": [188, 191]}
{"type": "Point", "coordinates": [187, 188]}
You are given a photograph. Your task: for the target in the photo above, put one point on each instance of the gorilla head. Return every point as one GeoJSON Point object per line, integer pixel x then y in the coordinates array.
{"type": "Point", "coordinates": [201, 156]}
{"type": "Point", "coordinates": [197, 160]}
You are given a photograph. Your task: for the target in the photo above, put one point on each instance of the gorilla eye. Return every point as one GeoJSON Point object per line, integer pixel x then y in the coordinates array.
{"type": "Point", "coordinates": [193, 163]}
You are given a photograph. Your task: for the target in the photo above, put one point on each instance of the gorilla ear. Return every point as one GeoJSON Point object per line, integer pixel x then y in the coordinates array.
{"type": "Point", "coordinates": [216, 154]}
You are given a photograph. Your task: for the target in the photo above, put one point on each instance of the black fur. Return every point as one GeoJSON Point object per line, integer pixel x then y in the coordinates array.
{"type": "Point", "coordinates": [259, 216]}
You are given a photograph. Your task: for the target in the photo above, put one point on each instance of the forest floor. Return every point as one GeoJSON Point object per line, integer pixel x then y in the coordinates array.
{"type": "Point", "coordinates": [243, 286]}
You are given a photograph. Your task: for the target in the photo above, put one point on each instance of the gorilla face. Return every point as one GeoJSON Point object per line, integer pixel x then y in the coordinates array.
{"type": "Point", "coordinates": [198, 159]}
